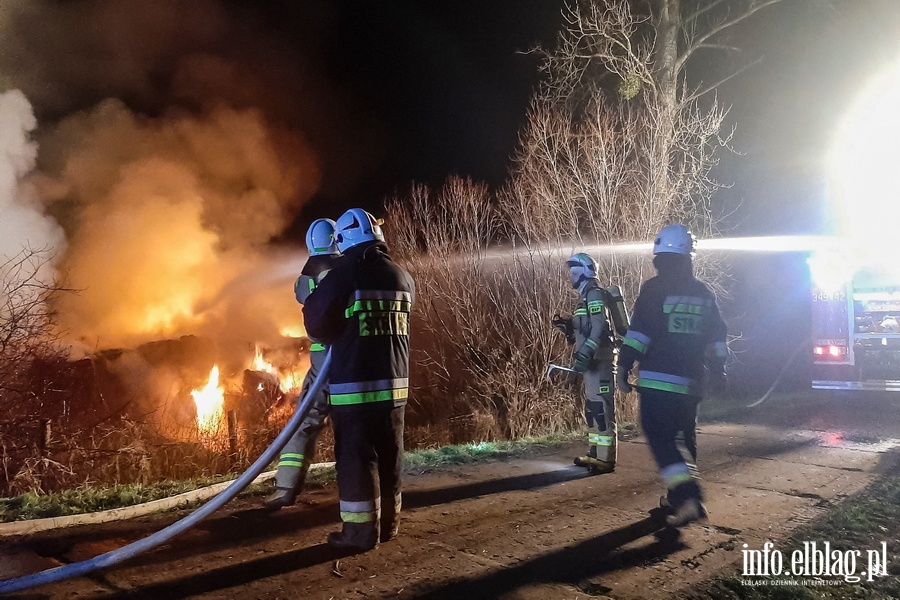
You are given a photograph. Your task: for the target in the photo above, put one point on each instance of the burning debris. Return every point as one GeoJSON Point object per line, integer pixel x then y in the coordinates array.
{"type": "Point", "coordinates": [264, 388]}
{"type": "Point", "coordinates": [209, 401]}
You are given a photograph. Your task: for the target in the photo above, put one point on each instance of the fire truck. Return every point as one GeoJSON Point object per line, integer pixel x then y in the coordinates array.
{"type": "Point", "coordinates": [856, 332]}
{"type": "Point", "coordinates": [856, 282]}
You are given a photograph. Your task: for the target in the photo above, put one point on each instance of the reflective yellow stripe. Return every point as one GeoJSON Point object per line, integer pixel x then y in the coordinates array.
{"type": "Point", "coordinates": [291, 459]}
{"type": "Point", "coordinates": [675, 480]}
{"type": "Point", "coordinates": [378, 305]}
{"type": "Point", "coordinates": [676, 474]}
{"type": "Point", "coordinates": [367, 397]}
{"type": "Point", "coordinates": [662, 386]}
{"type": "Point", "coordinates": [357, 517]}
{"type": "Point", "coordinates": [600, 440]}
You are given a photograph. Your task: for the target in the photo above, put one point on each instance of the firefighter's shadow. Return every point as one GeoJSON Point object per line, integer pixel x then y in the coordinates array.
{"type": "Point", "coordinates": [579, 565]}
{"type": "Point", "coordinates": [443, 495]}
{"type": "Point", "coordinates": [251, 524]}
{"type": "Point", "coordinates": [247, 525]}
{"type": "Point", "coordinates": [234, 575]}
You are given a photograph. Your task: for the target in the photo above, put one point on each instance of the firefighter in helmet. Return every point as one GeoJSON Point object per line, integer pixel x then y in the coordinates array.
{"type": "Point", "coordinates": [590, 330]}
{"type": "Point", "coordinates": [678, 337]}
{"type": "Point", "coordinates": [362, 311]}
{"type": "Point", "coordinates": [297, 454]}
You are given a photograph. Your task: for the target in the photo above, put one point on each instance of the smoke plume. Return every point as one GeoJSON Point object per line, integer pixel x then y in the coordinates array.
{"type": "Point", "coordinates": [167, 156]}
{"type": "Point", "coordinates": [163, 213]}
{"type": "Point", "coordinates": [23, 225]}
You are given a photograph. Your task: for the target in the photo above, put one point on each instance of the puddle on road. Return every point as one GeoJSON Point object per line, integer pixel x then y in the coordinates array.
{"type": "Point", "coordinates": [840, 439]}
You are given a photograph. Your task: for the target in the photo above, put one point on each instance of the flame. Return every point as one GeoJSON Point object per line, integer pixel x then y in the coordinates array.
{"type": "Point", "coordinates": [261, 364]}
{"type": "Point", "coordinates": [210, 401]}
{"type": "Point", "coordinates": [291, 381]}
{"type": "Point", "coordinates": [293, 331]}
{"type": "Point", "coordinates": [286, 381]}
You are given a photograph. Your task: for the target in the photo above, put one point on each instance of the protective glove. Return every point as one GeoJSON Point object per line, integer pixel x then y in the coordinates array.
{"type": "Point", "coordinates": [580, 361]}
{"type": "Point", "coordinates": [622, 381]}
{"type": "Point", "coordinates": [564, 324]}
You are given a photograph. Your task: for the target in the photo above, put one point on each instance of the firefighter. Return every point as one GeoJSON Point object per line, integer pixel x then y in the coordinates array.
{"type": "Point", "coordinates": [677, 336]}
{"type": "Point", "coordinates": [362, 311]}
{"type": "Point", "coordinates": [589, 329]}
{"type": "Point", "coordinates": [297, 454]}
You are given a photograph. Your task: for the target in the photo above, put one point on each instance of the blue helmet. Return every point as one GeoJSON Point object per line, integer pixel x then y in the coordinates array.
{"type": "Point", "coordinates": [355, 227]}
{"type": "Point", "coordinates": [320, 238]}
{"type": "Point", "coordinates": [674, 239]}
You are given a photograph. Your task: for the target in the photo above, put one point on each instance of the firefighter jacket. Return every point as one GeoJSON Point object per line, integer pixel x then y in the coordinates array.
{"type": "Point", "coordinates": [675, 331]}
{"type": "Point", "coordinates": [593, 334]}
{"type": "Point", "coordinates": [362, 311]}
{"type": "Point", "coordinates": [313, 271]}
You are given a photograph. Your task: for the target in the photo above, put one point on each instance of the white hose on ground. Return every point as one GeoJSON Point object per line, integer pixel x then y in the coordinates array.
{"type": "Point", "coordinates": [140, 546]}
{"type": "Point", "coordinates": [784, 369]}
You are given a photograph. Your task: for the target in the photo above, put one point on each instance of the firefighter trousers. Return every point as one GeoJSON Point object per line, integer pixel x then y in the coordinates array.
{"type": "Point", "coordinates": [666, 417]}
{"type": "Point", "coordinates": [368, 448]}
{"type": "Point", "coordinates": [600, 411]}
{"type": "Point", "coordinates": [298, 453]}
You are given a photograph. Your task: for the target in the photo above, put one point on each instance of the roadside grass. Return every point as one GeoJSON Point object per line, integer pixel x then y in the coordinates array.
{"type": "Point", "coordinates": [483, 451]}
{"type": "Point", "coordinates": [860, 523]}
{"type": "Point", "coordinates": [89, 499]}
{"type": "Point", "coordinates": [93, 499]}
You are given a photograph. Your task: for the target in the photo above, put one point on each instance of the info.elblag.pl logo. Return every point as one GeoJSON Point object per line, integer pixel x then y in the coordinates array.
{"type": "Point", "coordinates": [818, 560]}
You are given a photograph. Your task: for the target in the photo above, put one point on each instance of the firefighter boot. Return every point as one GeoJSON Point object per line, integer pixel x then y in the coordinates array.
{"type": "Point", "coordinates": [689, 511]}
{"type": "Point", "coordinates": [280, 498]}
{"type": "Point", "coordinates": [390, 525]}
{"type": "Point", "coordinates": [358, 537]}
{"type": "Point", "coordinates": [595, 466]}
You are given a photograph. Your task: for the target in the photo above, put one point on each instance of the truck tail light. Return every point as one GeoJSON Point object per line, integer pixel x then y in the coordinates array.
{"type": "Point", "coordinates": [826, 352]}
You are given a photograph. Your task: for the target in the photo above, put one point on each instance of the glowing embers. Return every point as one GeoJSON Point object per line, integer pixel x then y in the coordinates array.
{"type": "Point", "coordinates": [210, 402]}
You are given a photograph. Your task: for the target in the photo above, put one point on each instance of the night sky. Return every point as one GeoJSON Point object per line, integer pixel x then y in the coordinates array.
{"type": "Point", "coordinates": [443, 88]}
{"type": "Point", "coordinates": [388, 93]}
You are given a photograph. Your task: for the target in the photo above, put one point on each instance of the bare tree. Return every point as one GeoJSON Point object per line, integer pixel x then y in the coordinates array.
{"type": "Point", "coordinates": [26, 319]}
{"type": "Point", "coordinates": [622, 136]}
{"type": "Point", "coordinates": [481, 341]}
{"type": "Point", "coordinates": [620, 140]}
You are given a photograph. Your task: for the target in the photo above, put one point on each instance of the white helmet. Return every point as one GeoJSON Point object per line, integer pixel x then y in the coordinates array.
{"type": "Point", "coordinates": [320, 238]}
{"type": "Point", "coordinates": [674, 239]}
{"type": "Point", "coordinates": [355, 227]}
{"type": "Point", "coordinates": [581, 266]}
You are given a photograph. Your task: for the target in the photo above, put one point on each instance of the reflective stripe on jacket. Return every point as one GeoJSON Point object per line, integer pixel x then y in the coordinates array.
{"type": "Point", "coordinates": [676, 327]}
{"type": "Point", "coordinates": [590, 322]}
{"type": "Point", "coordinates": [362, 311]}
{"type": "Point", "coordinates": [315, 269]}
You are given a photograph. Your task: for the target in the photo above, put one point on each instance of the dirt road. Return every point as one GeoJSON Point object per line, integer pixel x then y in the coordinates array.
{"type": "Point", "coordinates": [532, 527]}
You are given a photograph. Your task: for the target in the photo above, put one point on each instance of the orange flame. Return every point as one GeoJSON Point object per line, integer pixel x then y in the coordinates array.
{"type": "Point", "coordinates": [293, 331]}
{"type": "Point", "coordinates": [210, 400]}
{"type": "Point", "coordinates": [286, 381]}
{"type": "Point", "coordinates": [261, 364]}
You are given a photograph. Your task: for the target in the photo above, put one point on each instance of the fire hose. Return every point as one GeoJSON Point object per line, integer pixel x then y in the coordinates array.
{"type": "Point", "coordinates": [784, 369]}
{"type": "Point", "coordinates": [160, 537]}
